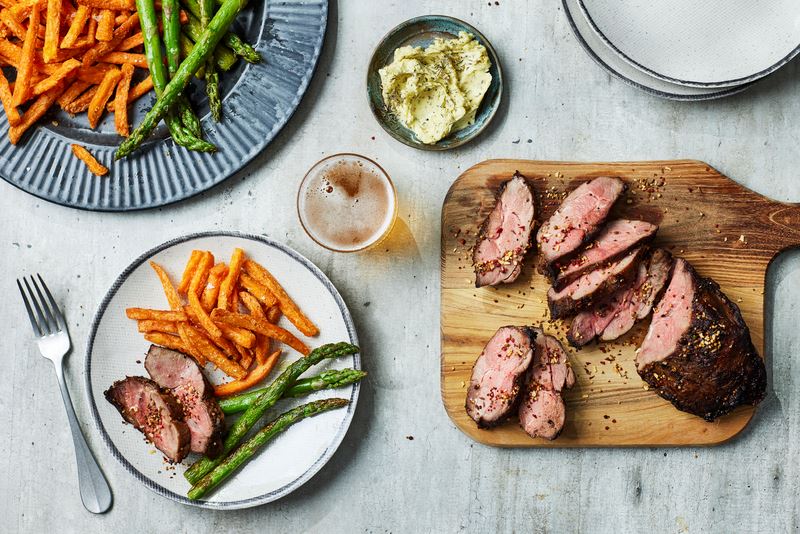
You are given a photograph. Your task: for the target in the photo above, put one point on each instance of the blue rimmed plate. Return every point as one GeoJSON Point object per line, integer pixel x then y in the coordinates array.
{"type": "Point", "coordinates": [607, 58]}
{"type": "Point", "coordinates": [258, 100]}
{"type": "Point", "coordinates": [116, 350]}
{"type": "Point", "coordinates": [422, 31]}
{"type": "Point", "coordinates": [717, 44]}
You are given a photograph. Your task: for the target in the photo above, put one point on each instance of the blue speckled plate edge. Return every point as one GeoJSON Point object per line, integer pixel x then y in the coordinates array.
{"type": "Point", "coordinates": [386, 47]}
{"type": "Point", "coordinates": [161, 174]}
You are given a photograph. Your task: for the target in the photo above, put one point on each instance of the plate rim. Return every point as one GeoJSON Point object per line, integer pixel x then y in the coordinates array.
{"type": "Point", "coordinates": [587, 48]}
{"type": "Point", "coordinates": [436, 147]}
{"type": "Point", "coordinates": [243, 163]}
{"type": "Point", "coordinates": [689, 83]}
{"type": "Point", "coordinates": [155, 487]}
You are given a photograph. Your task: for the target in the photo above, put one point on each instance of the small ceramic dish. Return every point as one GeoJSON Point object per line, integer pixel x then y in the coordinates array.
{"type": "Point", "coordinates": [422, 31]}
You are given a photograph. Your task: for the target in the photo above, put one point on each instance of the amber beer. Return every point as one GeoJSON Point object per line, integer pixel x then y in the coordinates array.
{"type": "Point", "coordinates": [347, 203]}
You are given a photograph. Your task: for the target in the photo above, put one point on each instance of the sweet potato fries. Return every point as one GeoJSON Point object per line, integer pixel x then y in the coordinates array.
{"type": "Point", "coordinates": [206, 321]}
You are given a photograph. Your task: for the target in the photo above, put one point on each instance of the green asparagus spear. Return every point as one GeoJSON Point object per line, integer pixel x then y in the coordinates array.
{"type": "Point", "coordinates": [223, 55]}
{"type": "Point", "coordinates": [212, 90]}
{"type": "Point", "coordinates": [202, 49]}
{"type": "Point", "coordinates": [332, 379]}
{"type": "Point", "coordinates": [184, 135]}
{"type": "Point", "coordinates": [249, 448]}
{"type": "Point", "coordinates": [266, 400]}
{"type": "Point", "coordinates": [212, 79]}
{"type": "Point", "coordinates": [170, 15]}
{"type": "Point", "coordinates": [233, 41]}
{"type": "Point", "coordinates": [186, 49]}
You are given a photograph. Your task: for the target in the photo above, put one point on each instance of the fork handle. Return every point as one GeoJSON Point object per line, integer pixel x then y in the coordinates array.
{"type": "Point", "coordinates": [95, 492]}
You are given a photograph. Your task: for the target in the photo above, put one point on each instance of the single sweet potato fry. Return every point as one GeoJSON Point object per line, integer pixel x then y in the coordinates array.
{"type": "Point", "coordinates": [260, 292]}
{"type": "Point", "coordinates": [170, 292]}
{"type": "Point", "coordinates": [73, 91]}
{"type": "Point", "coordinates": [167, 340]}
{"type": "Point", "coordinates": [227, 288]}
{"type": "Point", "coordinates": [253, 377]}
{"type": "Point", "coordinates": [115, 5]}
{"type": "Point", "coordinates": [262, 342]}
{"type": "Point", "coordinates": [188, 271]}
{"type": "Point", "coordinates": [12, 114]}
{"type": "Point", "coordinates": [138, 90]}
{"type": "Point", "coordinates": [215, 276]}
{"type": "Point", "coordinates": [150, 325]}
{"type": "Point", "coordinates": [105, 25]}
{"type": "Point", "coordinates": [96, 168]}
{"type": "Point", "coordinates": [35, 112]}
{"type": "Point", "coordinates": [140, 314]}
{"type": "Point", "coordinates": [98, 104]}
{"type": "Point", "coordinates": [121, 101]}
{"type": "Point", "coordinates": [289, 308]}
{"type": "Point", "coordinates": [63, 71]}
{"type": "Point", "coordinates": [52, 31]}
{"type": "Point", "coordinates": [81, 104]}
{"type": "Point", "coordinates": [22, 85]}
{"type": "Point", "coordinates": [197, 284]}
{"type": "Point", "coordinates": [76, 26]}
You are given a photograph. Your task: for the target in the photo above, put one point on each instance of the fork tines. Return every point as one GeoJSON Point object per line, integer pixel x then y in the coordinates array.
{"type": "Point", "coordinates": [48, 319]}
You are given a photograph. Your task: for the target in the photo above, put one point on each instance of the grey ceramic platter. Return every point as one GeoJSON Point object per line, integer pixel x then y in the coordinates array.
{"type": "Point", "coordinates": [422, 31]}
{"type": "Point", "coordinates": [258, 100]}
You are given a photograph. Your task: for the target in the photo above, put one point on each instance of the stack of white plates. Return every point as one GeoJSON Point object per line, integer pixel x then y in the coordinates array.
{"type": "Point", "coordinates": [688, 49]}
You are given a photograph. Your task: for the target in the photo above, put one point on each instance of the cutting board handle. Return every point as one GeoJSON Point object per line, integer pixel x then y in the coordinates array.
{"type": "Point", "coordinates": [784, 220]}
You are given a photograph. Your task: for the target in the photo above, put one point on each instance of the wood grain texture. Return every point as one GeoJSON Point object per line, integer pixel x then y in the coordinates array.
{"type": "Point", "coordinates": [726, 231]}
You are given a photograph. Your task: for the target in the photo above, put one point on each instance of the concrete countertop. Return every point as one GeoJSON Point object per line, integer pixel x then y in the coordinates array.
{"type": "Point", "coordinates": [558, 105]}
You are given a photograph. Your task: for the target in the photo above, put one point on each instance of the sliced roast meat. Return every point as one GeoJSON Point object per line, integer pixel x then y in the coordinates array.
{"type": "Point", "coordinates": [154, 412]}
{"type": "Point", "coordinates": [576, 220]}
{"type": "Point", "coordinates": [181, 375]}
{"type": "Point", "coordinates": [698, 353]}
{"type": "Point", "coordinates": [613, 241]}
{"type": "Point", "coordinates": [505, 236]}
{"type": "Point", "coordinates": [542, 411]}
{"type": "Point", "coordinates": [615, 316]}
{"type": "Point", "coordinates": [497, 375]}
{"type": "Point", "coordinates": [594, 287]}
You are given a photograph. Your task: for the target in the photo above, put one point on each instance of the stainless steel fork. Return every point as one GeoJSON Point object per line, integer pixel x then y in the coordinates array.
{"type": "Point", "coordinates": [53, 341]}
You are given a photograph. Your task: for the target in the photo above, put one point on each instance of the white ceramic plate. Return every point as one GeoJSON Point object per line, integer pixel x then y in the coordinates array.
{"type": "Point", "coordinates": [703, 43]}
{"type": "Point", "coordinates": [612, 62]}
{"type": "Point", "coordinates": [116, 349]}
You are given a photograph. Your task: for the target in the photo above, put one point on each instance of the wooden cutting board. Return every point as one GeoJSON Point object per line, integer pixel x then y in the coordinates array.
{"type": "Point", "coordinates": [726, 231]}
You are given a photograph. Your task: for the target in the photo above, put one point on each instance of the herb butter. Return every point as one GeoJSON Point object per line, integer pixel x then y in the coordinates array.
{"type": "Point", "coordinates": [437, 90]}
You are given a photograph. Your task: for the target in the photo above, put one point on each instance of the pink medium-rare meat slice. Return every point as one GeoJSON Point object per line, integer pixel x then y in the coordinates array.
{"type": "Point", "coordinates": [577, 220]}
{"type": "Point", "coordinates": [616, 315]}
{"type": "Point", "coordinates": [594, 287]}
{"type": "Point", "coordinates": [671, 317]}
{"type": "Point", "coordinates": [505, 236]}
{"type": "Point", "coordinates": [497, 375]}
{"type": "Point", "coordinates": [656, 272]}
{"type": "Point", "coordinates": [589, 324]}
{"type": "Point", "coordinates": [614, 240]}
{"type": "Point", "coordinates": [698, 353]}
{"type": "Point", "coordinates": [154, 412]}
{"type": "Point", "coordinates": [542, 411]}
{"type": "Point", "coordinates": [182, 376]}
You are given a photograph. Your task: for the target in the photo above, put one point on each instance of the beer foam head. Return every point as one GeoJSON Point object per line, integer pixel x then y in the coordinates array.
{"type": "Point", "coordinates": [346, 202]}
